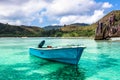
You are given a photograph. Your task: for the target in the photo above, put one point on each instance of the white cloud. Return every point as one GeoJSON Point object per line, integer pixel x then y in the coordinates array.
{"type": "Point", "coordinates": [71, 11]}
{"type": "Point", "coordinates": [82, 19]}
{"type": "Point", "coordinates": [63, 11]}
{"type": "Point", "coordinates": [24, 12]}
{"type": "Point", "coordinates": [106, 5]}
{"type": "Point", "coordinates": [70, 7]}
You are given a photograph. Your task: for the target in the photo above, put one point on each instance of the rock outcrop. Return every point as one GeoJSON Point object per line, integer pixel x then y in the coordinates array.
{"type": "Point", "coordinates": [108, 26]}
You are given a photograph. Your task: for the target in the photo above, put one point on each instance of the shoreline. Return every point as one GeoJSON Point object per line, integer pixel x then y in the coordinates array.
{"type": "Point", "coordinates": [53, 37]}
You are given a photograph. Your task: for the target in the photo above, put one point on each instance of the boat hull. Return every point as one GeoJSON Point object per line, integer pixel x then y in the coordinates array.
{"type": "Point", "coordinates": [66, 55]}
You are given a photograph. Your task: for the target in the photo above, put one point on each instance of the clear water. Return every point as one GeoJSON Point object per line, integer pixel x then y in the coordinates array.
{"type": "Point", "coordinates": [100, 60]}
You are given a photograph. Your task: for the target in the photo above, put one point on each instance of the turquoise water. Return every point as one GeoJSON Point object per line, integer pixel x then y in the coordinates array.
{"type": "Point", "coordinates": [100, 60]}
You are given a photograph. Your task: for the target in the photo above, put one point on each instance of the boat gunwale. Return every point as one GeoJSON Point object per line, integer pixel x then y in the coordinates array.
{"type": "Point", "coordinates": [56, 48]}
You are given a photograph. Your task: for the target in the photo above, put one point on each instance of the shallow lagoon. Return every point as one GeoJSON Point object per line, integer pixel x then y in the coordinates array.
{"type": "Point", "coordinates": [100, 60]}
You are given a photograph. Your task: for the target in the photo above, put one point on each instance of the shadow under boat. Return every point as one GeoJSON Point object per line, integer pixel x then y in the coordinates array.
{"type": "Point", "coordinates": [63, 72]}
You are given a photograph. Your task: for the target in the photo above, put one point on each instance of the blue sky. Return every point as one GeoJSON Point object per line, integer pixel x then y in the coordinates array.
{"type": "Point", "coordinates": [54, 12]}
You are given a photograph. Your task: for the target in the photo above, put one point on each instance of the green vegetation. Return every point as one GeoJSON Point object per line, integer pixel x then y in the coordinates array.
{"type": "Point", "coordinates": [71, 31]}
{"type": "Point", "coordinates": [7, 30]}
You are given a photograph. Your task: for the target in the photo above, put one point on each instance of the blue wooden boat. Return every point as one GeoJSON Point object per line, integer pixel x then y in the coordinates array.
{"type": "Point", "coordinates": [69, 55]}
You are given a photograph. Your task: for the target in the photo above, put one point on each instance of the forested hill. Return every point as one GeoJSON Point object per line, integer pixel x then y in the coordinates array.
{"type": "Point", "coordinates": [7, 30]}
{"type": "Point", "coordinates": [72, 30]}
{"type": "Point", "coordinates": [79, 24]}
{"type": "Point", "coordinates": [50, 27]}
